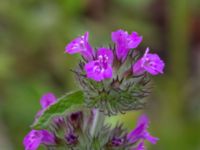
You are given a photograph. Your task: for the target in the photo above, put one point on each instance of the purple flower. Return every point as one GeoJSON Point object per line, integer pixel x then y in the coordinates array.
{"type": "Point", "coordinates": [101, 68]}
{"type": "Point", "coordinates": [45, 101]}
{"type": "Point", "coordinates": [71, 138]}
{"type": "Point", "coordinates": [150, 63]}
{"type": "Point", "coordinates": [140, 132]}
{"type": "Point", "coordinates": [80, 45]}
{"type": "Point", "coordinates": [36, 137]}
{"type": "Point", "coordinates": [116, 141]}
{"type": "Point", "coordinates": [76, 119]}
{"type": "Point", "coordinates": [124, 42]}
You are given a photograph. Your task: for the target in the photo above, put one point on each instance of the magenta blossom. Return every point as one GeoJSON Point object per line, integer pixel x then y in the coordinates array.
{"type": "Point", "coordinates": [80, 45]}
{"type": "Point", "coordinates": [124, 42]}
{"type": "Point", "coordinates": [150, 63]}
{"type": "Point", "coordinates": [36, 137]}
{"type": "Point", "coordinates": [100, 68]}
{"type": "Point", "coordinates": [45, 101]}
{"type": "Point", "coordinates": [140, 133]}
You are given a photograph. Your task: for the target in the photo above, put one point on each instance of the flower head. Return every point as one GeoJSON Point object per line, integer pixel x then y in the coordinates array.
{"type": "Point", "coordinates": [150, 63]}
{"type": "Point", "coordinates": [80, 45]}
{"type": "Point", "coordinates": [140, 132]}
{"type": "Point", "coordinates": [124, 42]}
{"type": "Point", "coordinates": [122, 91]}
{"type": "Point", "coordinates": [36, 137]}
{"type": "Point", "coordinates": [101, 68]}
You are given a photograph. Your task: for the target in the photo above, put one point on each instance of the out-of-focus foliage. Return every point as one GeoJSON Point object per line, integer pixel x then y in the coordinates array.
{"type": "Point", "coordinates": [33, 34]}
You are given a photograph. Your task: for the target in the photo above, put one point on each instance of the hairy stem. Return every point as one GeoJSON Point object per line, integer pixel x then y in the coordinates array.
{"type": "Point", "coordinates": [97, 122]}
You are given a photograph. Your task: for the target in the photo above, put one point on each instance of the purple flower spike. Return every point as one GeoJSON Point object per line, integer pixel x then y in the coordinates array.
{"type": "Point", "coordinates": [80, 45]}
{"type": "Point", "coordinates": [140, 132]}
{"type": "Point", "coordinates": [150, 63]}
{"type": "Point", "coordinates": [36, 137]}
{"type": "Point", "coordinates": [101, 68]}
{"type": "Point", "coordinates": [124, 42]}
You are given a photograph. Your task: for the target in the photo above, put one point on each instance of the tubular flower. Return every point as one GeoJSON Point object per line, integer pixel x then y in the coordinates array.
{"type": "Point", "coordinates": [80, 45]}
{"type": "Point", "coordinates": [45, 101]}
{"type": "Point", "coordinates": [150, 63]}
{"type": "Point", "coordinates": [126, 83]}
{"type": "Point", "coordinates": [36, 137]}
{"type": "Point", "coordinates": [124, 42]}
{"type": "Point", "coordinates": [101, 68]}
{"type": "Point", "coordinates": [141, 133]}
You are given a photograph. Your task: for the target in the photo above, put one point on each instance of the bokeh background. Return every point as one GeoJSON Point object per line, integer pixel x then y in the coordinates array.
{"type": "Point", "coordinates": [33, 35]}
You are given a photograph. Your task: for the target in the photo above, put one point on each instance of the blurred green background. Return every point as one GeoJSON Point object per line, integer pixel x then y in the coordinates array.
{"type": "Point", "coordinates": [33, 35]}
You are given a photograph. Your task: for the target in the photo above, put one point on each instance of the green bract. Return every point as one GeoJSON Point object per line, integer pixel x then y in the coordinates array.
{"type": "Point", "coordinates": [66, 103]}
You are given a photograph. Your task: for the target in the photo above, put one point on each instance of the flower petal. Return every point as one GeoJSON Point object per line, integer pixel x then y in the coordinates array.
{"type": "Point", "coordinates": [47, 100]}
{"type": "Point", "coordinates": [124, 42]}
{"type": "Point", "coordinates": [93, 71]}
{"type": "Point", "coordinates": [137, 69]}
{"type": "Point", "coordinates": [48, 137]}
{"type": "Point", "coordinates": [32, 140]}
{"type": "Point", "coordinates": [134, 40]}
{"type": "Point", "coordinates": [108, 72]}
{"type": "Point", "coordinates": [80, 45]}
{"type": "Point", "coordinates": [120, 38]}
{"type": "Point", "coordinates": [151, 138]}
{"type": "Point", "coordinates": [150, 63]}
{"type": "Point", "coordinates": [36, 137]}
{"type": "Point", "coordinates": [105, 54]}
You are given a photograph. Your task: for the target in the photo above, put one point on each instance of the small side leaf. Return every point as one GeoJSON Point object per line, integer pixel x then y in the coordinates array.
{"type": "Point", "coordinates": [67, 102]}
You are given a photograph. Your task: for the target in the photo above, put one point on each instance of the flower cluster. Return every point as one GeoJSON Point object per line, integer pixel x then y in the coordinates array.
{"type": "Point", "coordinates": [99, 65]}
{"type": "Point", "coordinates": [74, 132]}
{"type": "Point", "coordinates": [115, 79]}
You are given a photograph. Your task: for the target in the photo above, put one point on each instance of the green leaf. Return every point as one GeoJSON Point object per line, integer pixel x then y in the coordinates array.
{"type": "Point", "coordinates": [69, 101]}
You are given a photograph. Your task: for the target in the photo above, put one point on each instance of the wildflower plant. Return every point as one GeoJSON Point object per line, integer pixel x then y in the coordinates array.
{"type": "Point", "coordinates": [112, 80]}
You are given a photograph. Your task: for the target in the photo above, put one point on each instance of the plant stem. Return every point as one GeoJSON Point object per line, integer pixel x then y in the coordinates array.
{"type": "Point", "coordinates": [97, 122]}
